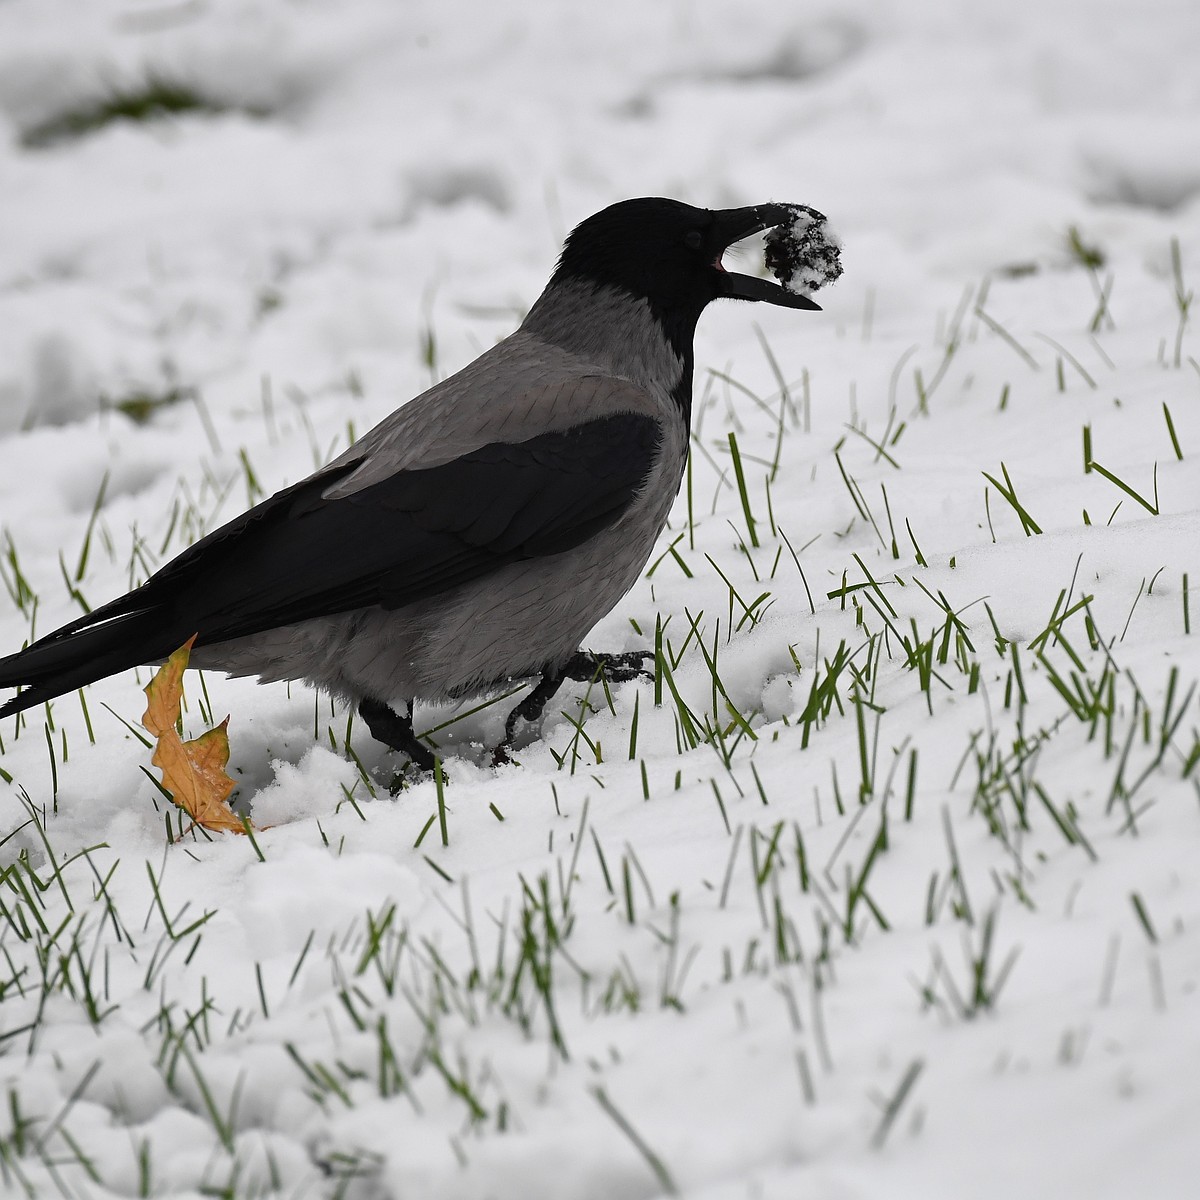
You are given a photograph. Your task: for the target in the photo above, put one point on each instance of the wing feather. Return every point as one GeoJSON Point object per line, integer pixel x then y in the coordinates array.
{"type": "Point", "coordinates": [412, 535]}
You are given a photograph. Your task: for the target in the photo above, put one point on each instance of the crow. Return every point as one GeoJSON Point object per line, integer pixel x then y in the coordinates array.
{"type": "Point", "coordinates": [475, 535]}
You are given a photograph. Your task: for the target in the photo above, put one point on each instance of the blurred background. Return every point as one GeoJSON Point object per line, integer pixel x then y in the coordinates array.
{"type": "Point", "coordinates": [196, 196]}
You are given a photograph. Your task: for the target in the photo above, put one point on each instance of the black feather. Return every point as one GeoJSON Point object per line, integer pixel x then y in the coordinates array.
{"type": "Point", "coordinates": [298, 555]}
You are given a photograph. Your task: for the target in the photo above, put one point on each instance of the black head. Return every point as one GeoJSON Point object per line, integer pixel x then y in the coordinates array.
{"type": "Point", "coordinates": [669, 254]}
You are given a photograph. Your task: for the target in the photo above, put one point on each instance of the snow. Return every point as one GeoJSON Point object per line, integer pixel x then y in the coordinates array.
{"type": "Point", "coordinates": [806, 254]}
{"type": "Point", "coordinates": [928, 929]}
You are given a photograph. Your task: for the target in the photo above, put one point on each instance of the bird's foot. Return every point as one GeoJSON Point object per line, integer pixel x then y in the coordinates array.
{"type": "Point", "coordinates": [582, 667]}
{"type": "Point", "coordinates": [409, 775]}
{"type": "Point", "coordinates": [530, 709]}
{"type": "Point", "coordinates": [585, 665]}
{"type": "Point", "coordinates": [392, 729]}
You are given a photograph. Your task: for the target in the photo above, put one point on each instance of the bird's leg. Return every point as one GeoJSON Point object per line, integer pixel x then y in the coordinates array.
{"type": "Point", "coordinates": [528, 710]}
{"type": "Point", "coordinates": [581, 667]}
{"type": "Point", "coordinates": [390, 728]}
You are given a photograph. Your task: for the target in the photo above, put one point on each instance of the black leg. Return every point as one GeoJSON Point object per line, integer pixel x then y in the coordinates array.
{"type": "Point", "coordinates": [530, 709]}
{"type": "Point", "coordinates": [390, 728]}
{"type": "Point", "coordinates": [581, 667]}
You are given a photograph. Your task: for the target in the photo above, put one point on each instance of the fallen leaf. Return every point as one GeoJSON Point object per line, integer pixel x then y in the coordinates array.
{"type": "Point", "coordinates": [193, 771]}
{"type": "Point", "coordinates": [164, 693]}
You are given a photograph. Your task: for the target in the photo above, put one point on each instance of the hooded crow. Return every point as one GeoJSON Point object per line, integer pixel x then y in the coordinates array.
{"type": "Point", "coordinates": [476, 535]}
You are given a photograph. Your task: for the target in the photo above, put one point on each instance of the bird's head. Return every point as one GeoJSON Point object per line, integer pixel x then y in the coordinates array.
{"type": "Point", "coordinates": [669, 254]}
{"type": "Point", "coordinates": [633, 279]}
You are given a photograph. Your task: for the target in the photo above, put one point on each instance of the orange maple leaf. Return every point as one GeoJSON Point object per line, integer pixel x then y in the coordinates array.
{"type": "Point", "coordinates": [194, 771]}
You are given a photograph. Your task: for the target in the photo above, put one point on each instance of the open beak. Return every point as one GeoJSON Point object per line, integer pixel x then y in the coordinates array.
{"type": "Point", "coordinates": [734, 224]}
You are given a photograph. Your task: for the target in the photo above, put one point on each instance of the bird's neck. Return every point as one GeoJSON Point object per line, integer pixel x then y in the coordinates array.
{"type": "Point", "coordinates": [620, 334]}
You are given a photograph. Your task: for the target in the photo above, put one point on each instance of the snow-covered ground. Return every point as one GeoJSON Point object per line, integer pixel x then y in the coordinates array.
{"type": "Point", "coordinates": [894, 892]}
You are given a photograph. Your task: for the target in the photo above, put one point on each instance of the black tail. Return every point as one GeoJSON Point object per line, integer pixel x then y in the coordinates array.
{"type": "Point", "coordinates": [255, 573]}
{"type": "Point", "coordinates": [99, 644]}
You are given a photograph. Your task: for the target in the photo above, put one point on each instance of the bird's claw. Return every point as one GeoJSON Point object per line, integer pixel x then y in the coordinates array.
{"type": "Point", "coordinates": [413, 773]}
{"type": "Point", "coordinates": [616, 668]}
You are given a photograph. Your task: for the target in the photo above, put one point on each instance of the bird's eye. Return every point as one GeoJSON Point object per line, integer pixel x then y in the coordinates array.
{"type": "Point", "coordinates": [692, 240]}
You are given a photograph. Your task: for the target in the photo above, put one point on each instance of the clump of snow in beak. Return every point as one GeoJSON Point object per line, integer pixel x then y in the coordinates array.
{"type": "Point", "coordinates": [805, 254]}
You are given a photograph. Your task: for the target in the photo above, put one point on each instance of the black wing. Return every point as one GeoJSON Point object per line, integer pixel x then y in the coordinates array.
{"type": "Point", "coordinates": [415, 534]}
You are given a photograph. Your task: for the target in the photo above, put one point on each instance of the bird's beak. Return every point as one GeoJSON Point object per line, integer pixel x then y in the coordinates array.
{"type": "Point", "coordinates": [734, 224]}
